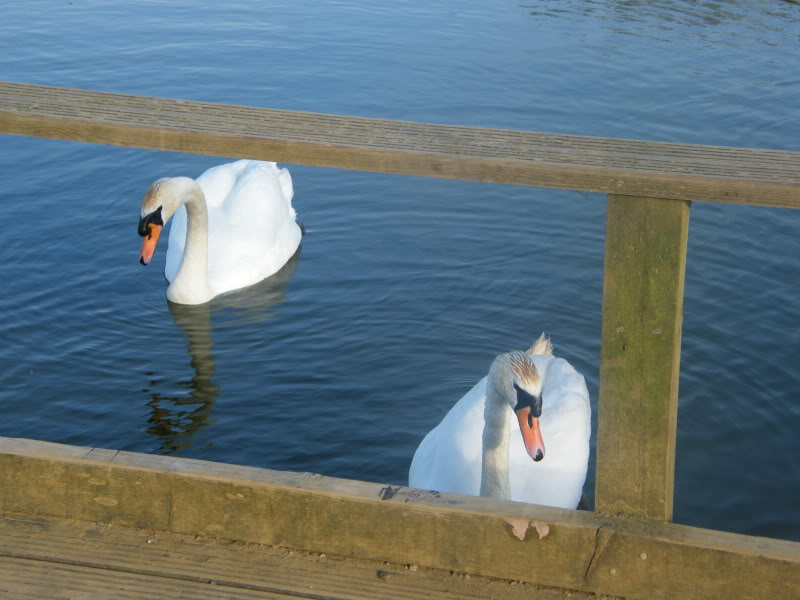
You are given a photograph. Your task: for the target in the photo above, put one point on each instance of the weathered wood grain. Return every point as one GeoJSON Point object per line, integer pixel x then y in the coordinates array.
{"type": "Point", "coordinates": [636, 168]}
{"type": "Point", "coordinates": [645, 262]}
{"type": "Point", "coordinates": [576, 550]}
{"type": "Point", "coordinates": [47, 557]}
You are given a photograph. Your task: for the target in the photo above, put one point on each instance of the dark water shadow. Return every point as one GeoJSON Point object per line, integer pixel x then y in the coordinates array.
{"type": "Point", "coordinates": [177, 420]}
{"type": "Point", "coordinates": [745, 21]}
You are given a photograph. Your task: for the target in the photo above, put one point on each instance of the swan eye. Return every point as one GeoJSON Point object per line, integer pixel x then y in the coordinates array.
{"type": "Point", "coordinates": [525, 399]}
{"type": "Point", "coordinates": [154, 218]}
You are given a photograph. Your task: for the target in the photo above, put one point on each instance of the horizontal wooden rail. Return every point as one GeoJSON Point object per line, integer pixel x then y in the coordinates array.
{"type": "Point", "coordinates": [632, 168]}
{"type": "Point", "coordinates": [511, 540]}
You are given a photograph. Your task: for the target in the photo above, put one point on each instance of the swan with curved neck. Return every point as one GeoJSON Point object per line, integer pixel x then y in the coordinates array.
{"type": "Point", "coordinates": [165, 196]}
{"type": "Point", "coordinates": [476, 449]}
{"type": "Point", "coordinates": [239, 225]}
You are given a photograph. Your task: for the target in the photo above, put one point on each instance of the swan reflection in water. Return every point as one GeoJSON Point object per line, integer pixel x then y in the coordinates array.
{"type": "Point", "coordinates": [177, 420]}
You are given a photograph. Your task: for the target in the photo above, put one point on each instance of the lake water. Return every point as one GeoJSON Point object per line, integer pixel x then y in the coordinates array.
{"type": "Point", "coordinates": [405, 288]}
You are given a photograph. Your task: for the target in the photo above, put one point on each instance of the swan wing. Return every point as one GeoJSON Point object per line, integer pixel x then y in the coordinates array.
{"type": "Point", "coordinates": [449, 457]}
{"type": "Point", "coordinates": [254, 230]}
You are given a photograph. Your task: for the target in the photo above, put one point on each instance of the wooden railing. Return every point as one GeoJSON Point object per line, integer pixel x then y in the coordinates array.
{"type": "Point", "coordinates": [649, 186]}
{"type": "Point", "coordinates": [633, 168]}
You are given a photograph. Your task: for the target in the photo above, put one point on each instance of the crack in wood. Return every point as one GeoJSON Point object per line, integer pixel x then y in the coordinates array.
{"type": "Point", "coordinates": [594, 552]}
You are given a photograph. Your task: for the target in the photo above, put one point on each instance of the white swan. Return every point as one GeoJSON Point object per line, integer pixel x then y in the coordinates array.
{"type": "Point", "coordinates": [241, 228]}
{"type": "Point", "coordinates": [463, 456]}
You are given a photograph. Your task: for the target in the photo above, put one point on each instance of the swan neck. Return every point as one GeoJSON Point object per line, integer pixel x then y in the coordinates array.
{"type": "Point", "coordinates": [190, 285]}
{"type": "Point", "coordinates": [495, 482]}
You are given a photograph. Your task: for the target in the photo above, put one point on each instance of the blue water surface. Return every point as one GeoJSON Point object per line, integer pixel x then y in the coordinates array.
{"type": "Point", "coordinates": [405, 287]}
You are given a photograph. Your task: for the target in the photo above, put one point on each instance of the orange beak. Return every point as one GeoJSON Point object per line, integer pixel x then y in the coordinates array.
{"type": "Point", "coordinates": [531, 435]}
{"type": "Point", "coordinates": [150, 243]}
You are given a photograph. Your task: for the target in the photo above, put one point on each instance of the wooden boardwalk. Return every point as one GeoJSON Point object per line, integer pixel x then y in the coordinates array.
{"type": "Point", "coordinates": [43, 558]}
{"type": "Point", "coordinates": [86, 523]}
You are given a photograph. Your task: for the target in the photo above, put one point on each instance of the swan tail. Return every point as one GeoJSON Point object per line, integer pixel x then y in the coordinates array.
{"type": "Point", "coordinates": [542, 346]}
{"type": "Point", "coordinates": [285, 180]}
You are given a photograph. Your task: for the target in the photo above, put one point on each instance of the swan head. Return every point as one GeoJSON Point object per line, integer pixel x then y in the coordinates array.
{"type": "Point", "coordinates": [521, 385]}
{"type": "Point", "coordinates": [161, 200]}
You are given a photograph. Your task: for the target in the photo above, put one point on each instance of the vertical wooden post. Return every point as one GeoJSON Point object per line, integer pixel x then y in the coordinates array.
{"type": "Point", "coordinates": [645, 260]}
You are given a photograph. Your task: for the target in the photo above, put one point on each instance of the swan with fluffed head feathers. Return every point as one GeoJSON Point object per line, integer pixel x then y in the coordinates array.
{"type": "Point", "coordinates": [233, 226]}
{"type": "Point", "coordinates": [474, 450]}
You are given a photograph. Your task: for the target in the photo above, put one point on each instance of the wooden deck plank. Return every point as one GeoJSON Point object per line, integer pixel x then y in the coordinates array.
{"type": "Point", "coordinates": [634, 168]}
{"type": "Point", "coordinates": [43, 581]}
{"type": "Point", "coordinates": [574, 550]}
{"type": "Point", "coordinates": [47, 557]}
